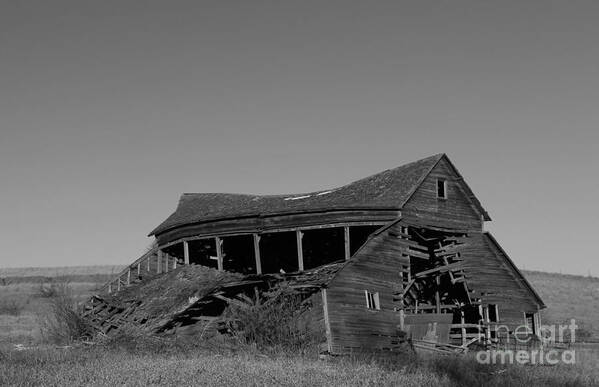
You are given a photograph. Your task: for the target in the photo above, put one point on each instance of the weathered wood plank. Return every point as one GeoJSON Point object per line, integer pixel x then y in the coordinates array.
{"type": "Point", "coordinates": [186, 252]}
{"type": "Point", "coordinates": [300, 250]}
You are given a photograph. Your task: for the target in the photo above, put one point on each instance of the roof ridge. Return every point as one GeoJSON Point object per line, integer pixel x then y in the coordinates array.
{"type": "Point", "coordinates": [388, 189]}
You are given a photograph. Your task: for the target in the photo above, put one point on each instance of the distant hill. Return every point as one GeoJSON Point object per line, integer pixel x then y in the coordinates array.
{"type": "Point", "coordinates": [71, 274]}
{"type": "Point", "coordinates": [60, 271]}
{"type": "Point", "coordinates": [568, 296]}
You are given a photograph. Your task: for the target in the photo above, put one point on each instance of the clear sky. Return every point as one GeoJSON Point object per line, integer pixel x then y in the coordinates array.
{"type": "Point", "coordinates": [110, 109]}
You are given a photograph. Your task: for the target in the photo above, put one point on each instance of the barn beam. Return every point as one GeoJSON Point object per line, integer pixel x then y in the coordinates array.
{"type": "Point", "coordinates": [158, 261]}
{"type": "Point", "coordinates": [257, 253]}
{"type": "Point", "coordinates": [346, 242]}
{"type": "Point", "coordinates": [186, 252]}
{"type": "Point", "coordinates": [300, 250]}
{"type": "Point", "coordinates": [437, 296]}
{"type": "Point", "coordinates": [219, 252]}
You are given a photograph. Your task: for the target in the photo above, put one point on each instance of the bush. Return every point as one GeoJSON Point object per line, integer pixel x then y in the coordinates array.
{"type": "Point", "coordinates": [53, 289]}
{"type": "Point", "coordinates": [12, 308]}
{"type": "Point", "coordinates": [64, 323]}
{"type": "Point", "coordinates": [273, 320]}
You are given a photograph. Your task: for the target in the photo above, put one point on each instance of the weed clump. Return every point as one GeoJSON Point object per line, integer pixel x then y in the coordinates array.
{"type": "Point", "coordinates": [64, 323]}
{"type": "Point", "coordinates": [278, 319]}
{"type": "Point", "coordinates": [53, 289]}
{"type": "Point", "coordinates": [11, 308]}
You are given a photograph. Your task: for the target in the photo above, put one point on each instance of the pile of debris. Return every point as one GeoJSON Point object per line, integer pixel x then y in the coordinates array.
{"type": "Point", "coordinates": [191, 295]}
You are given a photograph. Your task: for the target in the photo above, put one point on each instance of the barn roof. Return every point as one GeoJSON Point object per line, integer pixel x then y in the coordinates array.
{"type": "Point", "coordinates": [389, 189]}
{"type": "Point", "coordinates": [518, 274]}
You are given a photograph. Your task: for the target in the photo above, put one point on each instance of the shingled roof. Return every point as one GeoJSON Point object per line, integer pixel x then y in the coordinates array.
{"type": "Point", "coordinates": [389, 189]}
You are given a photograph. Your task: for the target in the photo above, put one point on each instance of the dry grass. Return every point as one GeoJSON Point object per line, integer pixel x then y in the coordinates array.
{"type": "Point", "coordinates": [25, 328]}
{"type": "Point", "coordinates": [117, 367]}
{"type": "Point", "coordinates": [131, 359]}
{"type": "Point", "coordinates": [162, 364]}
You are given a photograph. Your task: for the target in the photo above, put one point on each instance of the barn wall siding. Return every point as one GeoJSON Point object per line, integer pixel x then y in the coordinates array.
{"type": "Point", "coordinates": [376, 268]}
{"type": "Point", "coordinates": [495, 282]}
{"type": "Point", "coordinates": [314, 318]}
{"type": "Point", "coordinates": [454, 212]}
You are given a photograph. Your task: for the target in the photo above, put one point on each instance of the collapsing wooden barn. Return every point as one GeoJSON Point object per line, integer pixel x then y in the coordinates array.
{"type": "Point", "coordinates": [402, 253]}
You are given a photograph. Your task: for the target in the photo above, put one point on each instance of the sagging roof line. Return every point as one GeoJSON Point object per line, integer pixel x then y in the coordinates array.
{"type": "Point", "coordinates": [390, 189]}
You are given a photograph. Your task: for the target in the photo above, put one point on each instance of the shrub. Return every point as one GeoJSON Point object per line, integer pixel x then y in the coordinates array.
{"type": "Point", "coordinates": [64, 323]}
{"type": "Point", "coordinates": [54, 289]}
{"type": "Point", "coordinates": [273, 320]}
{"type": "Point", "coordinates": [12, 308]}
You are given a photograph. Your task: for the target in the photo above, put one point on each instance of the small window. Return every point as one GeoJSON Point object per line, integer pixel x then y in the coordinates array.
{"type": "Point", "coordinates": [442, 189]}
{"type": "Point", "coordinates": [372, 300]}
{"type": "Point", "coordinates": [529, 320]}
{"type": "Point", "coordinates": [493, 313]}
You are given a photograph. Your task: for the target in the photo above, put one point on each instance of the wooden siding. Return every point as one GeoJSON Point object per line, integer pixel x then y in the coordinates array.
{"type": "Point", "coordinates": [264, 224]}
{"type": "Point", "coordinates": [375, 268]}
{"type": "Point", "coordinates": [314, 318]}
{"type": "Point", "coordinates": [495, 281]}
{"type": "Point", "coordinates": [456, 211]}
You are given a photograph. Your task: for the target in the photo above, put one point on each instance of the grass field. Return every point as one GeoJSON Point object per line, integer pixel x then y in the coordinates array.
{"type": "Point", "coordinates": [23, 306]}
{"type": "Point", "coordinates": [164, 366]}
{"type": "Point", "coordinates": [568, 296]}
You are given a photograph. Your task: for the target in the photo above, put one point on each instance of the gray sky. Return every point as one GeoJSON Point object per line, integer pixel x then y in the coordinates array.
{"type": "Point", "coordinates": [110, 109]}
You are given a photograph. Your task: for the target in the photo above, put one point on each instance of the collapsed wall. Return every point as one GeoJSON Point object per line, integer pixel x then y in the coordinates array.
{"type": "Point", "coordinates": [192, 296]}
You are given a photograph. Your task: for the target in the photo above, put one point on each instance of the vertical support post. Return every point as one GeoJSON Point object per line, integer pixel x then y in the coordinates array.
{"type": "Point", "coordinates": [257, 253]}
{"type": "Point", "coordinates": [300, 250]}
{"type": "Point", "coordinates": [118, 284]}
{"type": "Point", "coordinates": [186, 252]}
{"type": "Point", "coordinates": [462, 321]}
{"type": "Point", "coordinates": [219, 252]}
{"type": "Point", "coordinates": [129, 277]}
{"type": "Point", "coordinates": [437, 296]}
{"type": "Point", "coordinates": [402, 317]}
{"type": "Point", "coordinates": [138, 268]}
{"type": "Point", "coordinates": [327, 323]}
{"type": "Point", "coordinates": [158, 261]}
{"type": "Point", "coordinates": [149, 259]}
{"type": "Point", "coordinates": [109, 287]}
{"type": "Point", "coordinates": [167, 258]}
{"type": "Point", "coordinates": [347, 241]}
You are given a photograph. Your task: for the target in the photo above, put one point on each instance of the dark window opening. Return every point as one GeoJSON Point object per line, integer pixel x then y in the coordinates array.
{"type": "Point", "coordinates": [530, 322]}
{"type": "Point", "coordinates": [175, 251]}
{"type": "Point", "coordinates": [203, 252]}
{"type": "Point", "coordinates": [441, 189]}
{"type": "Point", "coordinates": [278, 251]}
{"type": "Point", "coordinates": [238, 254]}
{"type": "Point", "coordinates": [372, 300]}
{"type": "Point", "coordinates": [323, 246]}
{"type": "Point", "coordinates": [358, 235]}
{"type": "Point", "coordinates": [492, 310]}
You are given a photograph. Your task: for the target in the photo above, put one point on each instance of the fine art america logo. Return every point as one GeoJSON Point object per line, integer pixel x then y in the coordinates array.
{"type": "Point", "coordinates": [543, 354]}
